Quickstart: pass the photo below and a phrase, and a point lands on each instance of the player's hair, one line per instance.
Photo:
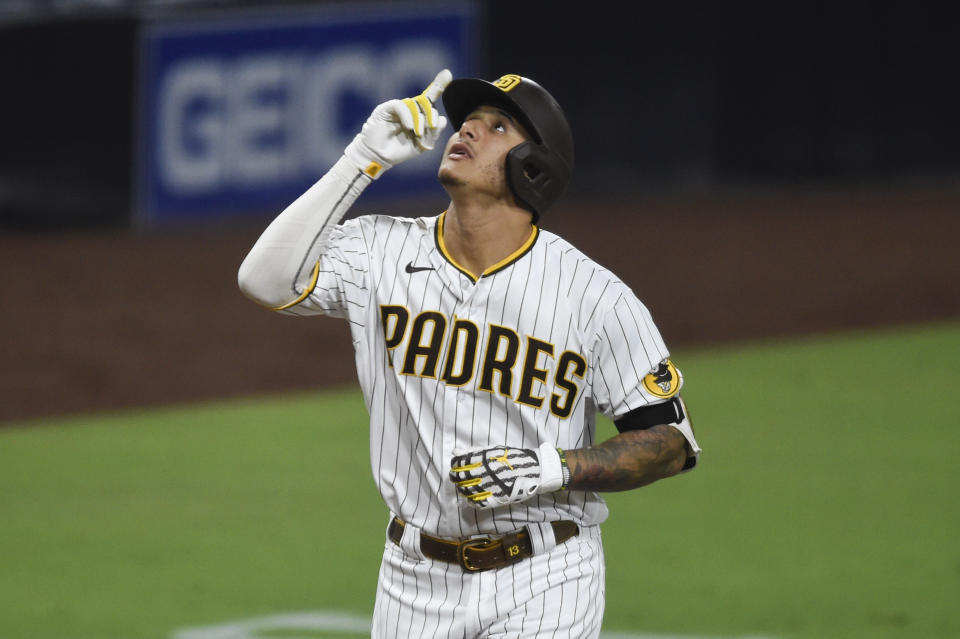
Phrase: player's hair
(538, 171)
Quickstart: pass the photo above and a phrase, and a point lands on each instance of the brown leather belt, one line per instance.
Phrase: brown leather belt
(475, 555)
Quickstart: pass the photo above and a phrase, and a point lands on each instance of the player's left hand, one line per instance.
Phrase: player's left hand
(501, 475)
(399, 130)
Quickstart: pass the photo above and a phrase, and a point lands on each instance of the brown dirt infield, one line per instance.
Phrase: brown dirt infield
(97, 321)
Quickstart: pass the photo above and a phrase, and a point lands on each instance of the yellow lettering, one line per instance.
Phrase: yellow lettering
(425, 336)
(502, 366)
(570, 365)
(429, 351)
(394, 320)
(462, 353)
(531, 372)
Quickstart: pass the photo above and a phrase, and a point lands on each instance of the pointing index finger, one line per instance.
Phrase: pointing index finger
(433, 91)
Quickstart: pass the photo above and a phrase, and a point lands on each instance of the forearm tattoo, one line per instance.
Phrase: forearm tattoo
(629, 460)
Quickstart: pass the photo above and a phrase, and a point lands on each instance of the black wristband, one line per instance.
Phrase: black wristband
(645, 417)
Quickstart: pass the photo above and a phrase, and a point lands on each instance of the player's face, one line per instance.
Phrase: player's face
(476, 154)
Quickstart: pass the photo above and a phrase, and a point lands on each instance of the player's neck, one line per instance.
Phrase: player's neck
(479, 237)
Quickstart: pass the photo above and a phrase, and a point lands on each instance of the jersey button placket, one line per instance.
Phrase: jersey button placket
(466, 312)
(454, 416)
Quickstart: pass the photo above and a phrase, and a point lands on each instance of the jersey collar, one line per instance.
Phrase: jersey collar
(499, 266)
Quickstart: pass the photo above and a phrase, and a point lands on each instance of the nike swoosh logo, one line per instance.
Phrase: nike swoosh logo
(416, 269)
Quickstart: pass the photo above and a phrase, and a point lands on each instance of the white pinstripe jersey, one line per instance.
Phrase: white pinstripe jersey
(526, 354)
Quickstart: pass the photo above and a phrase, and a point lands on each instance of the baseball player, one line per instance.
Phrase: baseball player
(485, 347)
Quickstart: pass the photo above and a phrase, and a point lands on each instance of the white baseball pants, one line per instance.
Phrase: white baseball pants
(557, 593)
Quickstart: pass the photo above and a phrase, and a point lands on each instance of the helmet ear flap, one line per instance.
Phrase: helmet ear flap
(536, 176)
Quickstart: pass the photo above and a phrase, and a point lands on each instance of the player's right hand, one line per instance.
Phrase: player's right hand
(399, 130)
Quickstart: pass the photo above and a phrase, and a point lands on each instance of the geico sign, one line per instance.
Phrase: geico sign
(269, 117)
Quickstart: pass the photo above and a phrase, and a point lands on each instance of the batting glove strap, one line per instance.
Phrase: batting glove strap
(399, 130)
(551, 469)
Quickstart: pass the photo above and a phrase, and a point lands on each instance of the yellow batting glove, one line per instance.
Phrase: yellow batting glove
(399, 130)
(499, 476)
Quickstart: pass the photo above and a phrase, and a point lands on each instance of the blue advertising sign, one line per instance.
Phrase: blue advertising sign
(240, 115)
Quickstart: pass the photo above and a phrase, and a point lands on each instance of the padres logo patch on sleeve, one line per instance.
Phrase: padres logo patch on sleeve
(663, 382)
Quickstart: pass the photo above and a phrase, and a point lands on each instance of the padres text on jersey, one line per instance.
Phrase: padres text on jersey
(525, 354)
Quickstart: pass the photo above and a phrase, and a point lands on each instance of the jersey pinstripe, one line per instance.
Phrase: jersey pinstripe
(525, 354)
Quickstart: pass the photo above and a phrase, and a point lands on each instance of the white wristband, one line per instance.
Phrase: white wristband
(362, 158)
(551, 470)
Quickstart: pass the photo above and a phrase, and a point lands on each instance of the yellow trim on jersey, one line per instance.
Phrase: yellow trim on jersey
(491, 269)
(306, 291)
(516, 254)
(445, 252)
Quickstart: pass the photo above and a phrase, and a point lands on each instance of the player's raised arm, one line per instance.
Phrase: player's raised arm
(281, 268)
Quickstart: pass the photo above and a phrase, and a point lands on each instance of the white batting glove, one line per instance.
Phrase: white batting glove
(497, 476)
(399, 130)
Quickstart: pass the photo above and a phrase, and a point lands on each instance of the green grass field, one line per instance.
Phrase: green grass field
(825, 506)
